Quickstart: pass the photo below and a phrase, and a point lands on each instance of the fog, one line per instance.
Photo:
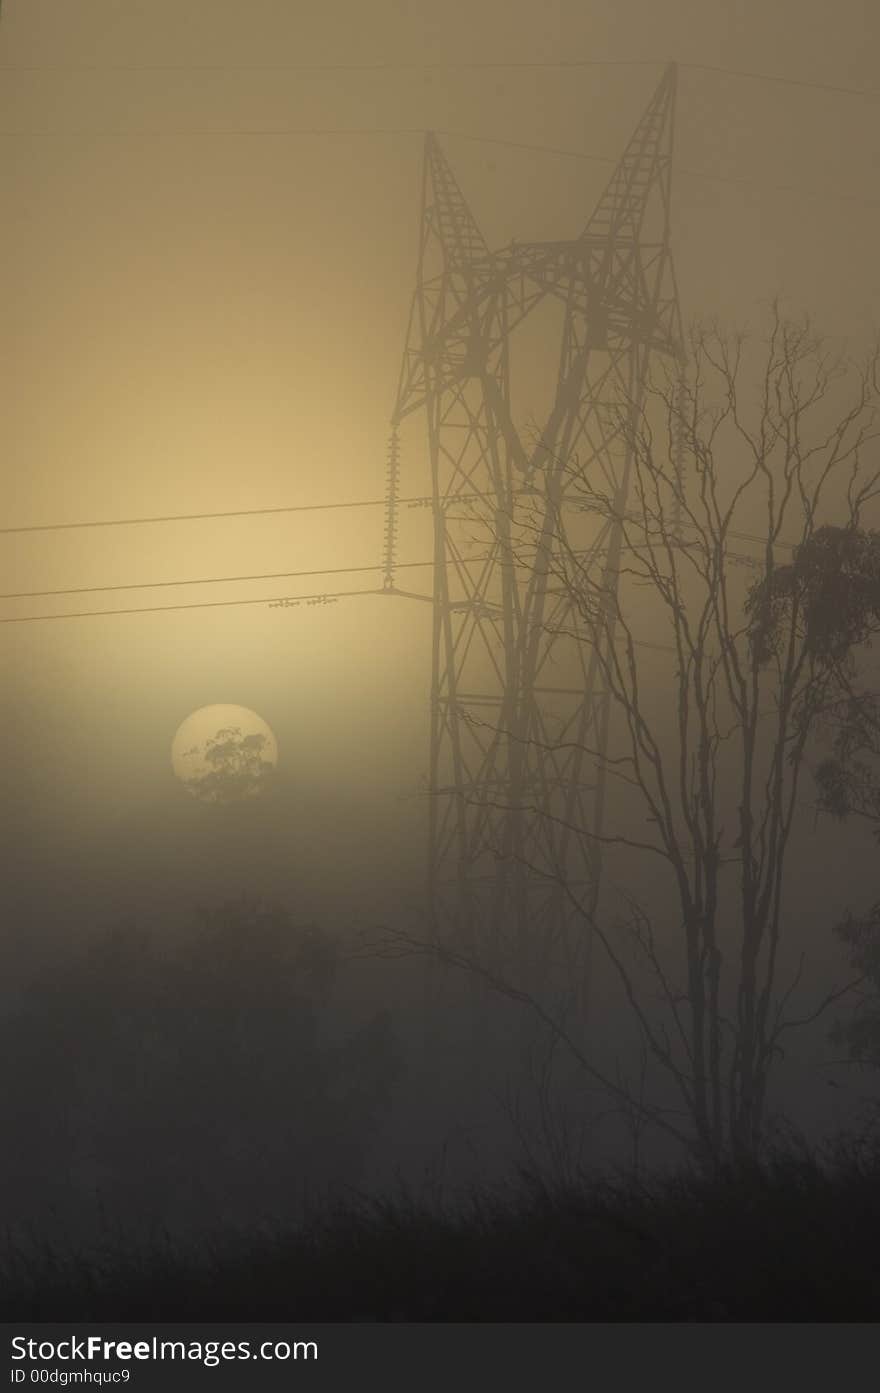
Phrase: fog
(207, 256)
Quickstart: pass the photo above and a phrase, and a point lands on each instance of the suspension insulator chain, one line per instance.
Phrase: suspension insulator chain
(392, 487)
(679, 445)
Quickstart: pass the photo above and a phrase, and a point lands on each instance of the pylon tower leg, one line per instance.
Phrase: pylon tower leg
(519, 711)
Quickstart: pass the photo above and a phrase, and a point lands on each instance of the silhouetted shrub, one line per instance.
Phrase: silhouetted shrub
(192, 1082)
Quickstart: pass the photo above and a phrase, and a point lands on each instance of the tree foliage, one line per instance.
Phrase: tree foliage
(829, 593)
(200, 1080)
(237, 767)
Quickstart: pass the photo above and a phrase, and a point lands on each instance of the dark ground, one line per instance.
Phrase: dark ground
(795, 1239)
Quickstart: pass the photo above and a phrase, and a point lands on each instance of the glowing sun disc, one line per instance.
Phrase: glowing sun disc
(224, 753)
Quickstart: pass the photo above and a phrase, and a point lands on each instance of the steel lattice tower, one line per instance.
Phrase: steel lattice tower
(516, 694)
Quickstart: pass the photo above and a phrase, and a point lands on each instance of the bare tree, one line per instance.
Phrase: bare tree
(756, 665)
(764, 442)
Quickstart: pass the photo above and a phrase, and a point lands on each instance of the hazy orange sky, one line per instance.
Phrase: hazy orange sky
(205, 311)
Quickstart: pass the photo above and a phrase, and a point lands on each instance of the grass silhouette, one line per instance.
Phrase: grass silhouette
(795, 1238)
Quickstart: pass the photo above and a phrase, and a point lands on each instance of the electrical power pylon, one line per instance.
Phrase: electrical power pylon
(517, 698)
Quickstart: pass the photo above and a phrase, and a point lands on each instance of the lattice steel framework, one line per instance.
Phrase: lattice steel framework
(516, 694)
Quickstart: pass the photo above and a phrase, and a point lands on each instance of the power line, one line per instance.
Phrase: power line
(319, 598)
(300, 131)
(207, 580)
(418, 500)
(197, 517)
(799, 189)
(228, 580)
(474, 65)
(872, 93)
(217, 131)
(273, 575)
(316, 599)
(678, 169)
(466, 65)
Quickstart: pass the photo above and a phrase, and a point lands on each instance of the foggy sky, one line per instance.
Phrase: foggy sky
(198, 317)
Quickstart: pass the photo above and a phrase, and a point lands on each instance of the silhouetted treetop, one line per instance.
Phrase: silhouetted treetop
(237, 767)
(829, 593)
